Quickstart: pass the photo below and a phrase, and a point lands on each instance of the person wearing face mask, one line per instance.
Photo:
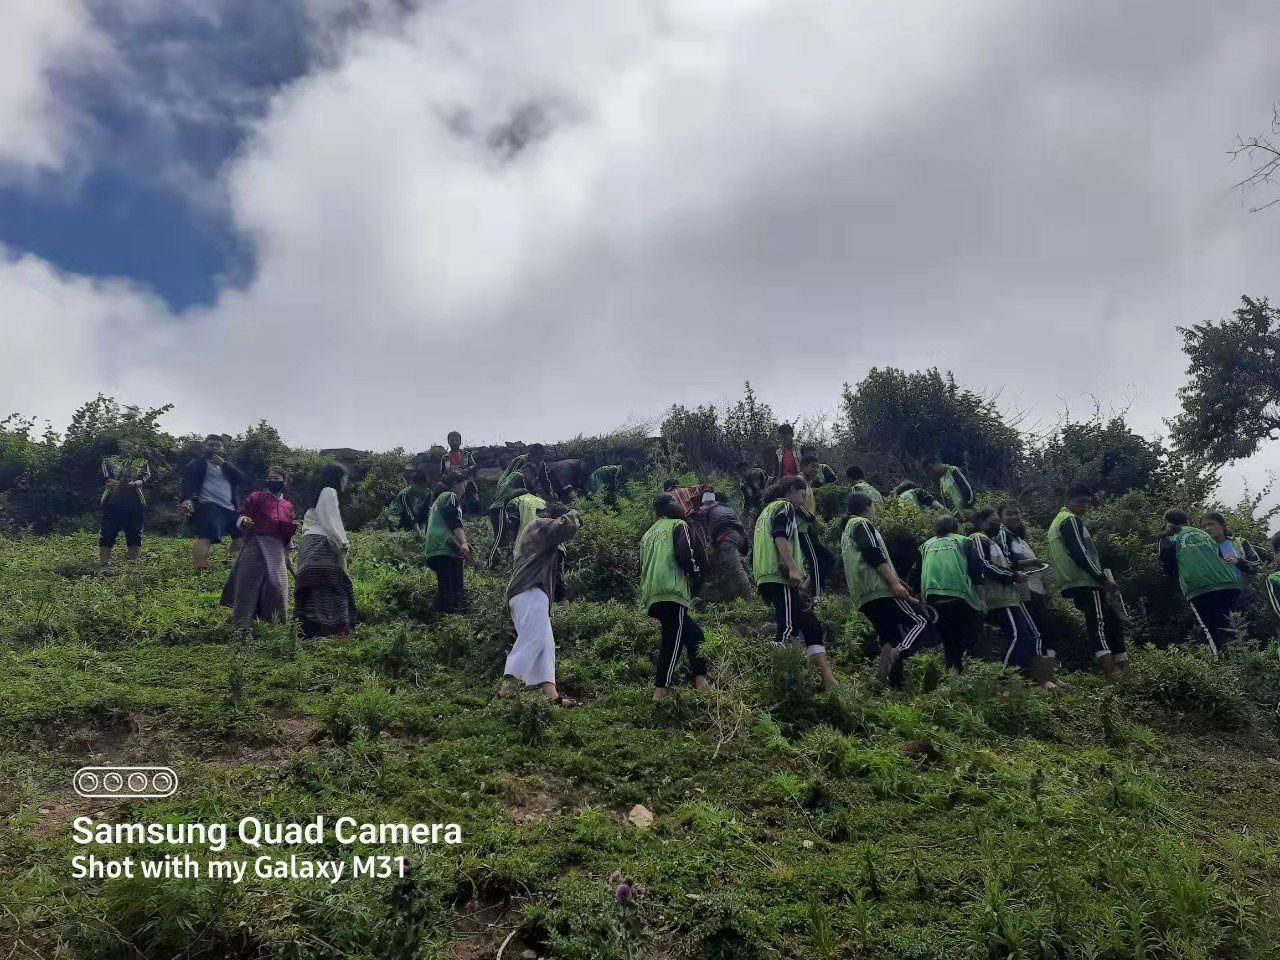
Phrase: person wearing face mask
(258, 585)
(210, 491)
(324, 600)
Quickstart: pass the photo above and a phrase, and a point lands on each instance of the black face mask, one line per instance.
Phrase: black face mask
(275, 486)
(210, 454)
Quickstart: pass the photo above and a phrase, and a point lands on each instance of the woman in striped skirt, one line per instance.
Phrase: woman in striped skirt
(325, 603)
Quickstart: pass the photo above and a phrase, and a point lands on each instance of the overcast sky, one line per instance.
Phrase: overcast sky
(370, 221)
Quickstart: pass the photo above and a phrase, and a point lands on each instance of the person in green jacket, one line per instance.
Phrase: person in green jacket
(527, 506)
(858, 481)
(512, 483)
(412, 505)
(951, 480)
(671, 573)
(1001, 593)
(901, 622)
(1237, 551)
(1210, 584)
(950, 574)
(777, 562)
(910, 494)
(445, 545)
(607, 481)
(1083, 581)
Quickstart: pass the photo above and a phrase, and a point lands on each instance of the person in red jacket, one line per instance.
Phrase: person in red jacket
(258, 586)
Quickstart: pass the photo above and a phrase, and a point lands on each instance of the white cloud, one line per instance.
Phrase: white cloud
(1033, 194)
(39, 37)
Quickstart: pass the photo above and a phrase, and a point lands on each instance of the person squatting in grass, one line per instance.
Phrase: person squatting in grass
(780, 578)
(954, 485)
(671, 572)
(537, 581)
(209, 495)
(258, 585)
(607, 481)
(445, 547)
(910, 494)
(1083, 581)
(1210, 584)
(122, 503)
(902, 624)
(1002, 599)
(950, 575)
(412, 505)
(858, 482)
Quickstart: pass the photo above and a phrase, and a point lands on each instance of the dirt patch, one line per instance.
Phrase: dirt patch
(538, 799)
(483, 924)
(291, 734)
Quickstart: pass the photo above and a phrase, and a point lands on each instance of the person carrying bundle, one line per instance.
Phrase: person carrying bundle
(728, 546)
(537, 581)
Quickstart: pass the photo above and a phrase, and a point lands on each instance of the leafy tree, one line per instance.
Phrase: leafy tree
(913, 416)
(1231, 404)
(1105, 454)
(750, 428)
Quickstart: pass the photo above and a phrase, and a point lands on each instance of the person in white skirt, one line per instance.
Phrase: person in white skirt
(536, 580)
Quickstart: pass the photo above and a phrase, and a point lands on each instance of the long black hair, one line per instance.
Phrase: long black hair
(332, 474)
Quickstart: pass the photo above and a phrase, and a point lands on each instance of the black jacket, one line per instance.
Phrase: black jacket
(193, 479)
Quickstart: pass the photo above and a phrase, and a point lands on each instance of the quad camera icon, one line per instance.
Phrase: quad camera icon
(125, 783)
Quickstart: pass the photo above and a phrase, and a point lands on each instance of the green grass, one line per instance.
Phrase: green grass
(962, 818)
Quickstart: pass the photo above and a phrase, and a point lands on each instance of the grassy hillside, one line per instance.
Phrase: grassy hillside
(966, 817)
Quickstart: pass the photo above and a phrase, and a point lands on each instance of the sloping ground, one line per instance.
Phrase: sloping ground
(965, 817)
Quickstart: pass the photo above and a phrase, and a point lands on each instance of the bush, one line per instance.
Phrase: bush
(1189, 682)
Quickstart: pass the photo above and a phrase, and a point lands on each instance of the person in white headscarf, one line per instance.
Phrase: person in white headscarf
(325, 602)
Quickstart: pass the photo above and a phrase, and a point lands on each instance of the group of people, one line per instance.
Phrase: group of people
(977, 568)
(262, 528)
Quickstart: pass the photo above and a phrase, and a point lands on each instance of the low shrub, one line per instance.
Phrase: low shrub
(1191, 683)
